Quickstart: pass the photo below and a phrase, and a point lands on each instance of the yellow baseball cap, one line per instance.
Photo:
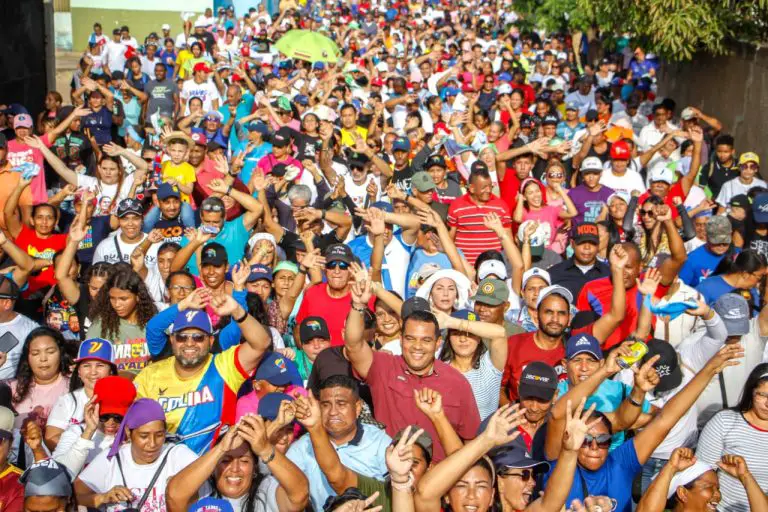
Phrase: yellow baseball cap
(749, 157)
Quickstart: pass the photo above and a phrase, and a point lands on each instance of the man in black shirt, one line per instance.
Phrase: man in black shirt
(583, 266)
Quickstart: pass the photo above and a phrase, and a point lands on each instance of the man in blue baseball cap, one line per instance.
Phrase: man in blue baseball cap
(403, 171)
(275, 374)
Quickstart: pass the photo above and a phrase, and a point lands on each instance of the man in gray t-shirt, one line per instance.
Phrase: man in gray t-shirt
(162, 93)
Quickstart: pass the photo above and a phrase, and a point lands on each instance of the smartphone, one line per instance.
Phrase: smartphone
(8, 342)
(210, 230)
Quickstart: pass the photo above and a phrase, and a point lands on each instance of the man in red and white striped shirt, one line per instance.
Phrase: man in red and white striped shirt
(466, 214)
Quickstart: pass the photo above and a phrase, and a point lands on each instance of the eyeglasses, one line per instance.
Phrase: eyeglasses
(750, 166)
(117, 418)
(343, 265)
(525, 475)
(761, 395)
(178, 287)
(646, 213)
(195, 338)
(212, 208)
(555, 175)
(603, 440)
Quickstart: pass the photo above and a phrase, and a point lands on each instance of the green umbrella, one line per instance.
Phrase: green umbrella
(309, 46)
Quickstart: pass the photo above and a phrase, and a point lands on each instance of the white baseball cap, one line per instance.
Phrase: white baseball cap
(504, 89)
(166, 26)
(492, 267)
(555, 289)
(591, 163)
(536, 272)
(661, 172)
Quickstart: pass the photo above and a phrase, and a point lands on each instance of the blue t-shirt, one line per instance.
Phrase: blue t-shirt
(244, 108)
(252, 160)
(713, 287)
(419, 258)
(396, 256)
(613, 479)
(608, 398)
(565, 132)
(233, 237)
(700, 264)
(100, 124)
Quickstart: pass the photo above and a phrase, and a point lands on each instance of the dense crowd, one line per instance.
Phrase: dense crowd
(462, 267)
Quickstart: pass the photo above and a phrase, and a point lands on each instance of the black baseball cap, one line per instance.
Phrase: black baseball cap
(281, 138)
(412, 305)
(129, 206)
(339, 252)
(549, 119)
(435, 161)
(586, 232)
(538, 380)
(313, 327)
(214, 254)
(667, 367)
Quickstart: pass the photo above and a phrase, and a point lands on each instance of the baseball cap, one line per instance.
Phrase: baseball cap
(586, 232)
(401, 144)
(166, 26)
(7, 418)
(277, 370)
(687, 114)
(118, 75)
(129, 206)
(591, 163)
(719, 230)
(424, 440)
(743, 159)
(517, 458)
(549, 119)
(572, 105)
(46, 478)
(734, 311)
(258, 126)
(667, 367)
(281, 138)
(339, 252)
(95, 349)
(465, 314)
(538, 380)
(192, 319)
(201, 66)
(301, 99)
(269, 405)
(620, 194)
(555, 289)
(412, 305)
(687, 476)
(583, 344)
(199, 138)
(214, 114)
(166, 190)
(536, 272)
(478, 166)
(620, 151)
(740, 200)
(492, 268)
(427, 269)
(492, 292)
(210, 504)
(422, 182)
(214, 254)
(377, 82)
(259, 272)
(22, 121)
(504, 89)
(661, 173)
(115, 394)
(435, 161)
(760, 208)
(313, 327)
(286, 265)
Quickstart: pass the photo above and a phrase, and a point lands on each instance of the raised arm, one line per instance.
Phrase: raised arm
(12, 222)
(68, 286)
(671, 266)
(257, 337)
(56, 164)
(359, 353)
(430, 402)
(23, 261)
(609, 322)
(736, 466)
(253, 207)
(655, 497)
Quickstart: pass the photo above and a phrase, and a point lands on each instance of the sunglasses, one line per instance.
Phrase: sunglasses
(212, 208)
(343, 265)
(178, 287)
(117, 418)
(196, 337)
(646, 213)
(749, 166)
(603, 440)
(525, 475)
(556, 175)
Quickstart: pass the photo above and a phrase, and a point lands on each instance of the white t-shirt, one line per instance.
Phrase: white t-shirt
(20, 327)
(358, 193)
(630, 181)
(103, 474)
(105, 194)
(266, 497)
(114, 54)
(735, 187)
(107, 250)
(68, 410)
(206, 91)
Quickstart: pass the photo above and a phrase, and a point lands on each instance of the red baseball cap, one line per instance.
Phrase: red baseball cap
(620, 151)
(115, 395)
(201, 66)
(377, 82)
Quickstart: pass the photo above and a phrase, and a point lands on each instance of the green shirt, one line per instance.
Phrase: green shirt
(369, 486)
(130, 351)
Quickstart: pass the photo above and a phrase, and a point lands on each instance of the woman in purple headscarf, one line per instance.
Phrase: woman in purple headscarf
(135, 471)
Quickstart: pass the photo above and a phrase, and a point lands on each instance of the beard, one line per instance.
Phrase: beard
(553, 330)
(191, 362)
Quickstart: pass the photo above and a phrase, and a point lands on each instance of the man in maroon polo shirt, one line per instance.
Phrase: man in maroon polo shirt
(394, 380)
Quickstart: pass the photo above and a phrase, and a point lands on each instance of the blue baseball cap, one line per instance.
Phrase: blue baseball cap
(572, 105)
(517, 458)
(301, 99)
(211, 505)
(583, 344)
(465, 314)
(166, 190)
(383, 206)
(192, 319)
(319, 65)
(505, 77)
(401, 144)
(450, 91)
(269, 405)
(760, 208)
(278, 370)
(97, 349)
(259, 272)
(258, 126)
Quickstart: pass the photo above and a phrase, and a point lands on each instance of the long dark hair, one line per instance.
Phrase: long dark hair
(249, 505)
(756, 377)
(24, 378)
(447, 353)
(748, 261)
(101, 308)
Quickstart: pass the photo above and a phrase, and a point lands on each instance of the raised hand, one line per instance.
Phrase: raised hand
(113, 149)
(663, 213)
(258, 180)
(218, 186)
(376, 226)
(240, 274)
(156, 236)
(493, 222)
(530, 229)
(312, 259)
(399, 457)
(34, 141)
(428, 401)
(77, 232)
(231, 439)
(650, 282)
(224, 305)
(372, 189)
(504, 421)
(308, 411)
(734, 465)
(646, 377)
(361, 505)
(198, 298)
(394, 192)
(253, 431)
(681, 459)
(33, 435)
(727, 356)
(361, 291)
(618, 257)
(576, 426)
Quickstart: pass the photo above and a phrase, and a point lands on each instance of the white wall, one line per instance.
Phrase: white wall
(144, 5)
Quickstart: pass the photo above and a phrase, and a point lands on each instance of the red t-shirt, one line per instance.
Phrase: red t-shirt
(11, 491)
(675, 190)
(44, 248)
(472, 237)
(392, 388)
(523, 351)
(317, 302)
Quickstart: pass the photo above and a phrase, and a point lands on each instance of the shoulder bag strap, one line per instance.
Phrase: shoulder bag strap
(154, 479)
(117, 247)
(120, 467)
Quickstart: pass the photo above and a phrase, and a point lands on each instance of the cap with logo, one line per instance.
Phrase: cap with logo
(401, 144)
(22, 121)
(281, 138)
(555, 289)
(435, 161)
(464, 314)
(719, 230)
(739, 200)
(760, 208)
(199, 138)
(734, 311)
(517, 458)
(538, 380)
(743, 159)
(313, 327)
(549, 119)
(339, 252)
(192, 319)
(214, 254)
(259, 272)
(258, 126)
(583, 344)
(492, 268)
(277, 370)
(96, 349)
(667, 367)
(269, 405)
(422, 182)
(427, 269)
(492, 292)
(210, 504)
(687, 114)
(620, 151)
(661, 172)
(536, 272)
(115, 394)
(129, 206)
(46, 478)
(591, 164)
(166, 190)
(572, 105)
(586, 232)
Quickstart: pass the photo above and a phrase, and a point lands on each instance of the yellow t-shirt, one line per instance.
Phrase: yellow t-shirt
(346, 135)
(181, 59)
(183, 173)
(195, 407)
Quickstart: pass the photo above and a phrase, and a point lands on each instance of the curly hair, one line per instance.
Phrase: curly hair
(101, 307)
(25, 380)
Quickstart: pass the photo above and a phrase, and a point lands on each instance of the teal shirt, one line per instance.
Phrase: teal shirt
(233, 237)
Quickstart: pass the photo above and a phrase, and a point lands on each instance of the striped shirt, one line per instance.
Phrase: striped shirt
(485, 382)
(472, 237)
(729, 433)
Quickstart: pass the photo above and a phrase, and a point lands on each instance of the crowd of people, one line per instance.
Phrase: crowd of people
(460, 268)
